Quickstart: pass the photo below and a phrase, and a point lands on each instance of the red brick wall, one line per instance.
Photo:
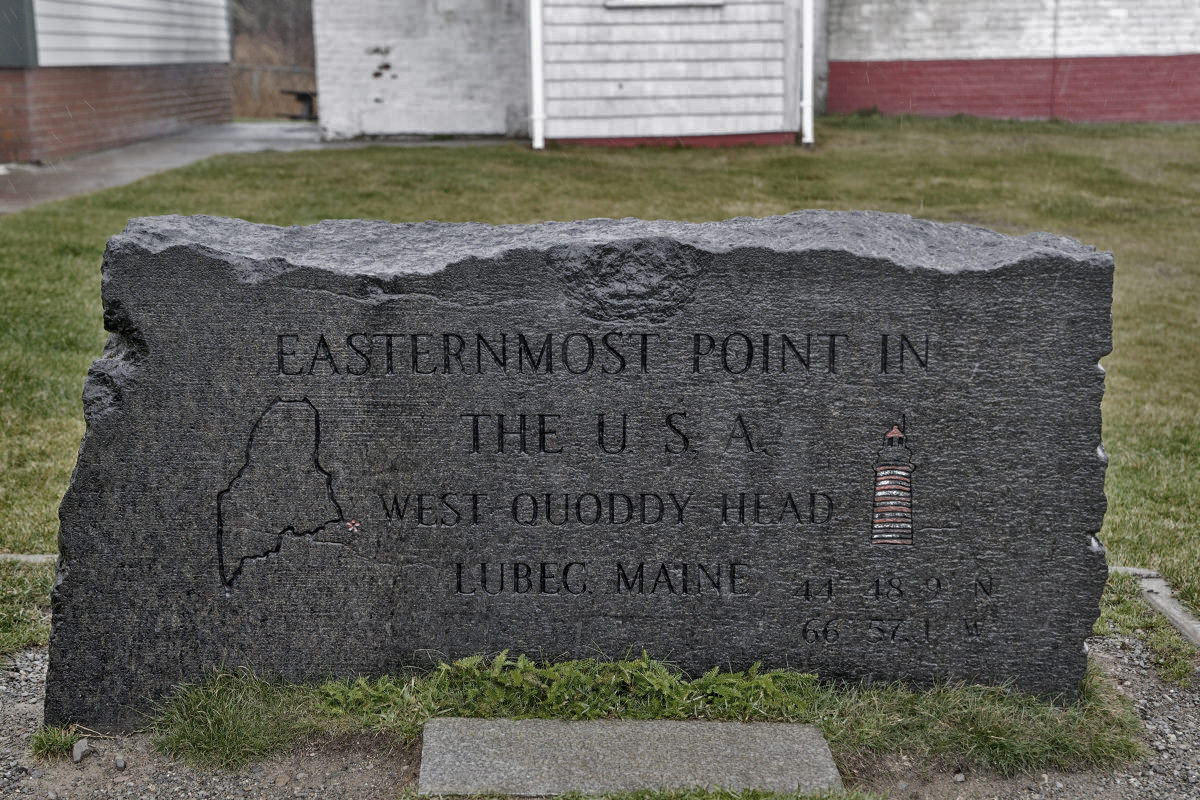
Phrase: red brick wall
(48, 113)
(1111, 89)
(14, 121)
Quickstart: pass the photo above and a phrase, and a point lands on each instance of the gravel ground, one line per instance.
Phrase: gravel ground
(365, 767)
(354, 768)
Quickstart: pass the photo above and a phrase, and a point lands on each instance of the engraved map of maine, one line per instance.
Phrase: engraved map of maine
(280, 491)
(358, 446)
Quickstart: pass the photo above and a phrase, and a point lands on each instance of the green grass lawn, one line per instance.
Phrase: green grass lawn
(1131, 189)
(24, 606)
(234, 719)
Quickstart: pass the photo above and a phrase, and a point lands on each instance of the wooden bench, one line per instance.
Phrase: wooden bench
(307, 103)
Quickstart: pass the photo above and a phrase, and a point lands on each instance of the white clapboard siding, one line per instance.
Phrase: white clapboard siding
(597, 108)
(74, 33)
(170, 6)
(126, 11)
(712, 71)
(664, 51)
(139, 32)
(67, 24)
(659, 34)
(700, 125)
(666, 71)
(579, 90)
(597, 14)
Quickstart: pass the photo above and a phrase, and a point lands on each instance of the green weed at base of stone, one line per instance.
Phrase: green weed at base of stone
(50, 742)
(1124, 611)
(233, 719)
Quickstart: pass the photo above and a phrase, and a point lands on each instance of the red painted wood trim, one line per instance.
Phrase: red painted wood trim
(1109, 89)
(716, 140)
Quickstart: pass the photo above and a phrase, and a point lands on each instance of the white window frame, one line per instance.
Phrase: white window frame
(662, 3)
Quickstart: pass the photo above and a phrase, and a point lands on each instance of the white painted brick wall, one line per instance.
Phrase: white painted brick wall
(894, 30)
(1128, 27)
(445, 66)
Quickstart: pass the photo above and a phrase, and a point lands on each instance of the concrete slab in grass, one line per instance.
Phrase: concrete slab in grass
(1157, 592)
(538, 757)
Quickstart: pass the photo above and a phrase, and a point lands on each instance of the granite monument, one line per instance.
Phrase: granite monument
(858, 444)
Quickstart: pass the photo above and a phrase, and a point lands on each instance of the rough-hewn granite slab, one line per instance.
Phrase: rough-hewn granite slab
(859, 444)
(543, 757)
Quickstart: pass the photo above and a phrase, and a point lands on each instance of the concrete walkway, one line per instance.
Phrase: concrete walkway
(26, 185)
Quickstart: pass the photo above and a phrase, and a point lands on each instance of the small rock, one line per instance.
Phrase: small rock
(37, 773)
(959, 777)
(80, 750)
(256, 769)
(281, 779)
(119, 762)
(301, 776)
(51, 795)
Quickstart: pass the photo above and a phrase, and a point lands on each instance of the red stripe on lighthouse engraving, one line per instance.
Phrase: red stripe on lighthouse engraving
(891, 518)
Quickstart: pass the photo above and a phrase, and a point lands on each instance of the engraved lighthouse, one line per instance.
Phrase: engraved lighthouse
(891, 520)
